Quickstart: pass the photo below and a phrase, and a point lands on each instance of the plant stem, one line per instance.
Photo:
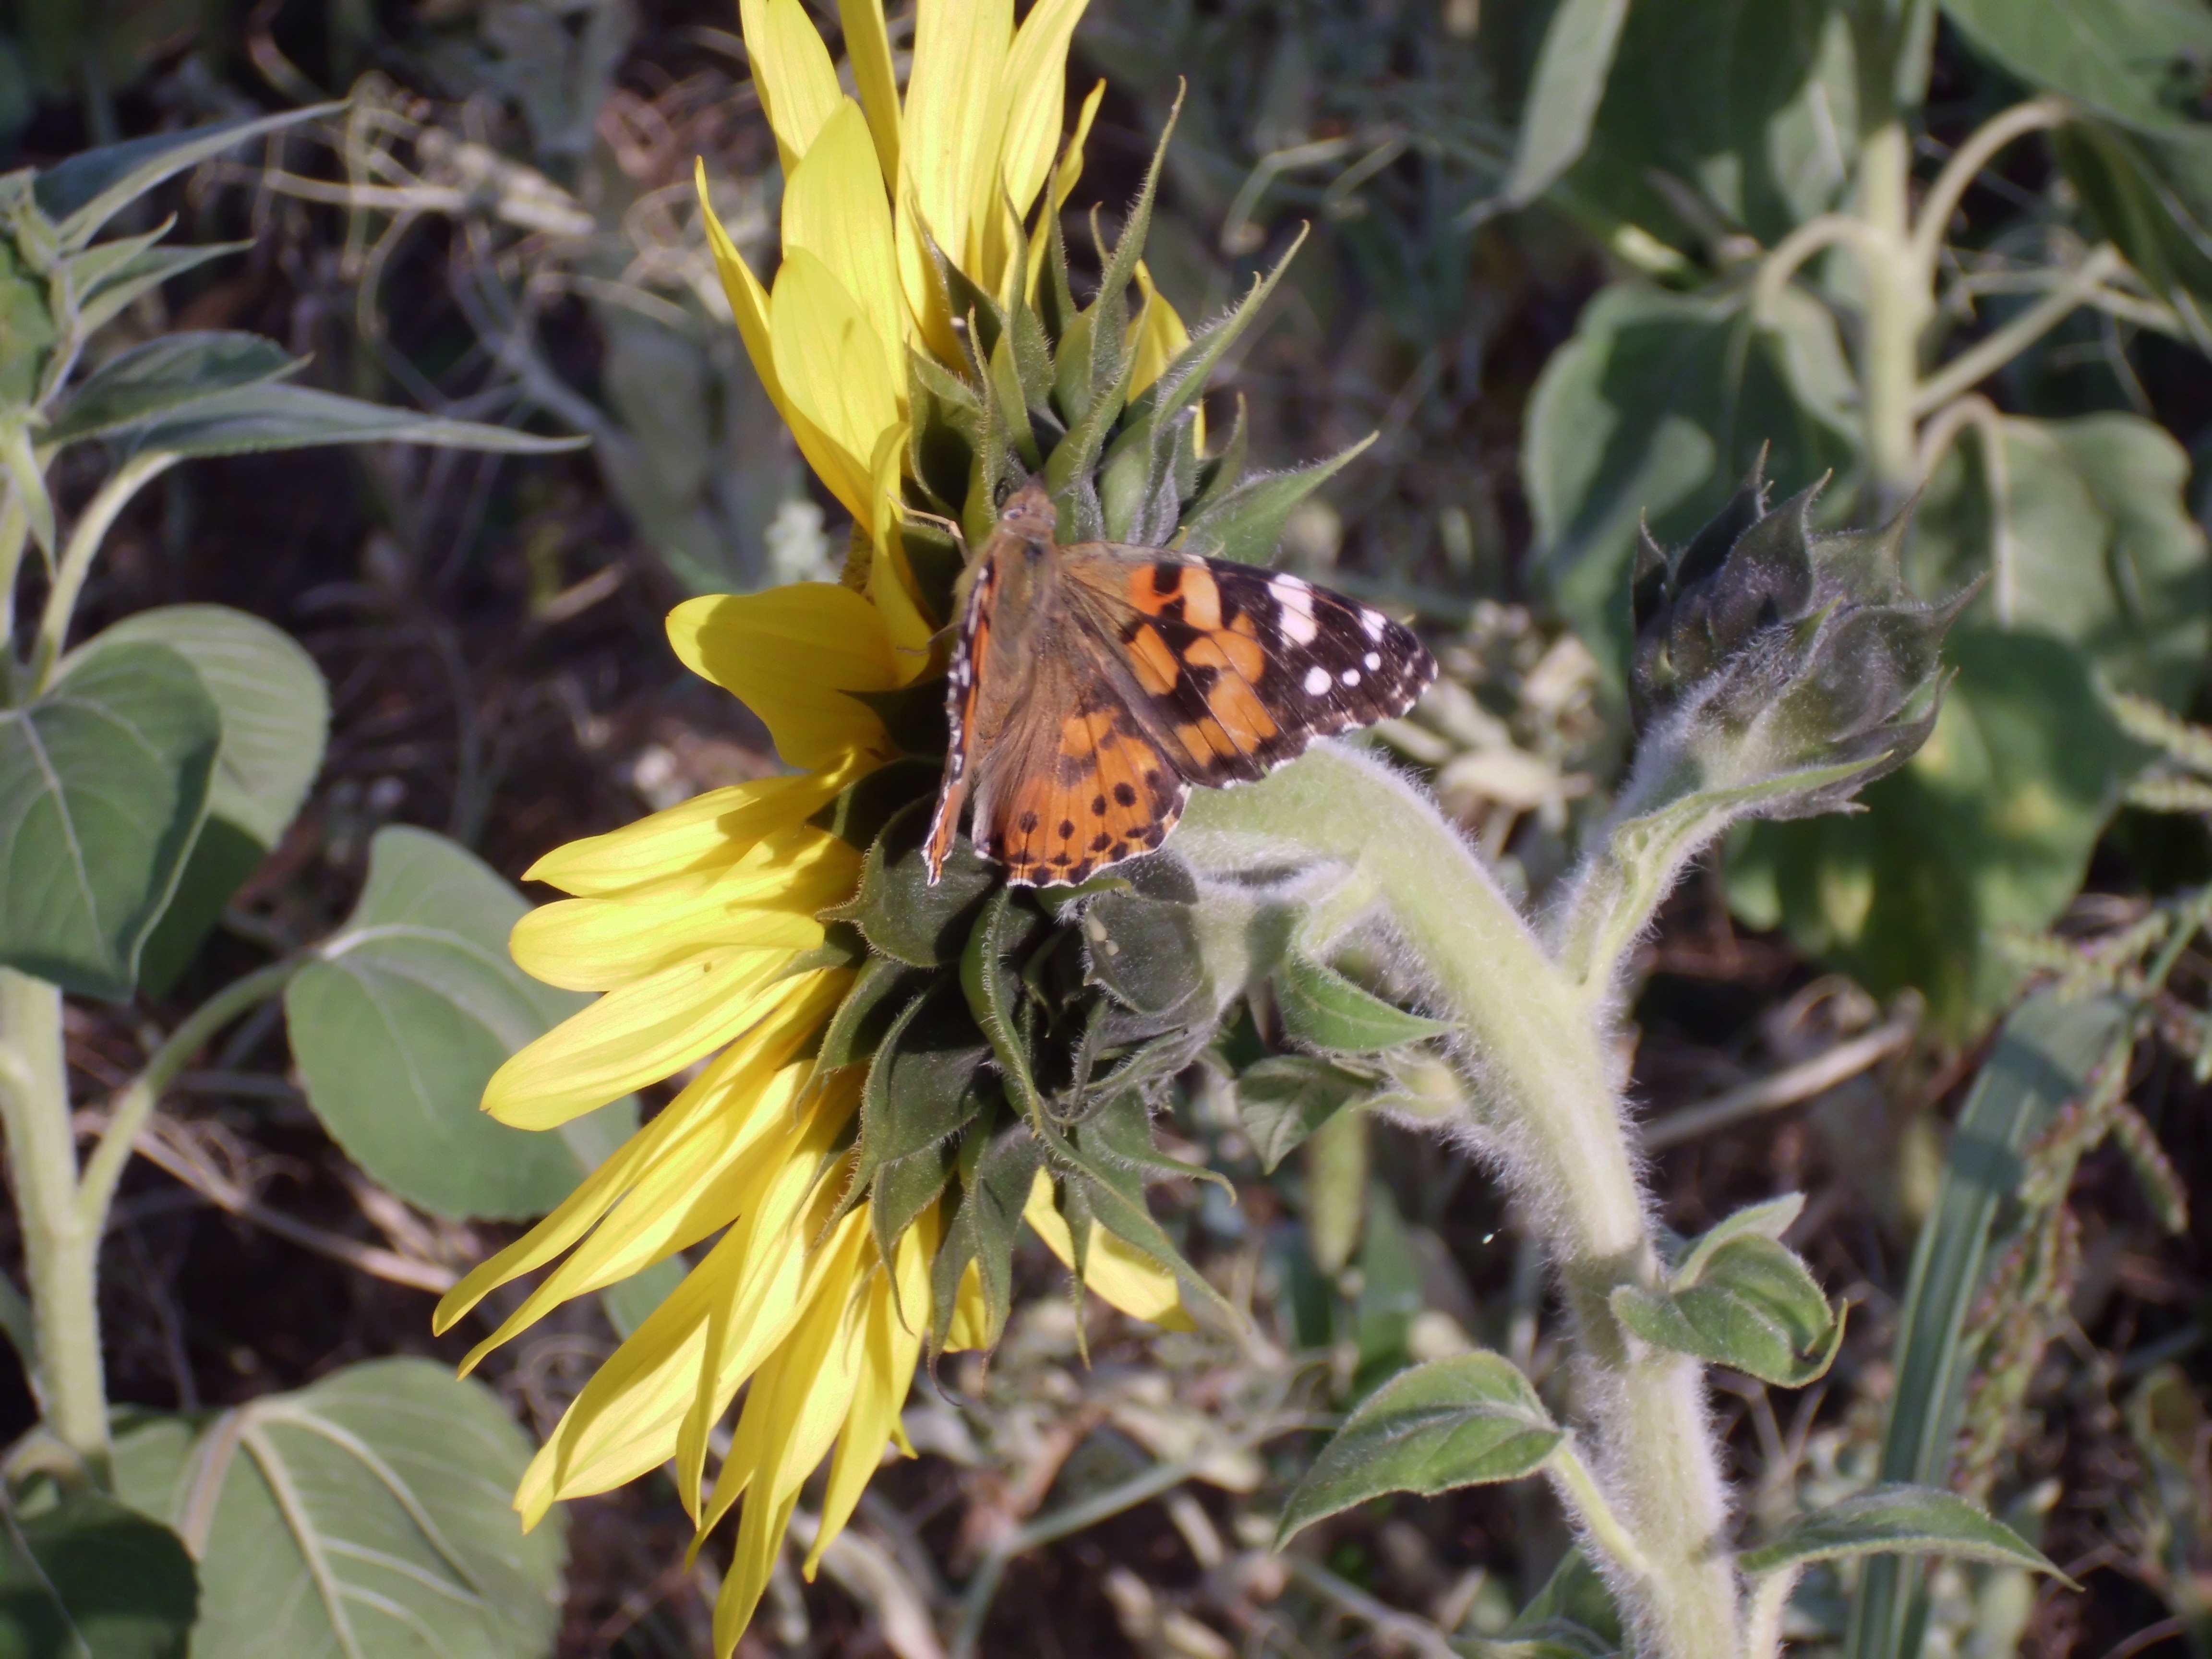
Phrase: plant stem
(76, 564)
(61, 1252)
(1549, 1110)
(1897, 309)
(135, 1102)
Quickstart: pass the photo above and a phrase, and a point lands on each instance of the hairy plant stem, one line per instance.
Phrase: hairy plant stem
(1549, 1112)
(61, 1245)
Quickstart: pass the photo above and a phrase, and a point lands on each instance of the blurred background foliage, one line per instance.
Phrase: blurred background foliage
(1542, 274)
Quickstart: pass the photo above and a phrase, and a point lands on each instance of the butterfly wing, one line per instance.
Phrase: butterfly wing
(1233, 669)
(1074, 783)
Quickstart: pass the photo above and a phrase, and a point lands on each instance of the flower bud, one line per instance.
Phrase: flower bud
(1765, 648)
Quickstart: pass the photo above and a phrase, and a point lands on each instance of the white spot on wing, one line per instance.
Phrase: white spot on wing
(1296, 599)
(1373, 623)
(1374, 660)
(1350, 677)
(1316, 681)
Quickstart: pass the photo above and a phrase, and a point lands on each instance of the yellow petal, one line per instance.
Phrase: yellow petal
(797, 84)
(1037, 72)
(722, 1091)
(1120, 1273)
(868, 49)
(898, 1310)
(1157, 335)
(703, 836)
(770, 898)
(971, 1312)
(756, 1282)
(786, 654)
(956, 112)
(640, 1035)
(834, 208)
(749, 305)
(891, 587)
(837, 371)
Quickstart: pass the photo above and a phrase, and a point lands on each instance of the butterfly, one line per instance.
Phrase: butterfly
(1093, 684)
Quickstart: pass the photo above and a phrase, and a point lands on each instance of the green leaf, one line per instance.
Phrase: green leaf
(89, 1578)
(1574, 1603)
(2137, 61)
(987, 980)
(1114, 1193)
(368, 1515)
(116, 292)
(403, 1016)
(1321, 1007)
(1752, 1304)
(1285, 1097)
(1988, 829)
(1898, 1520)
(2103, 550)
(1722, 115)
(164, 375)
(996, 1178)
(274, 711)
(249, 420)
(1144, 952)
(1769, 1220)
(897, 909)
(1656, 407)
(1245, 522)
(91, 187)
(927, 1085)
(882, 992)
(1571, 67)
(103, 783)
(2043, 1058)
(1469, 1420)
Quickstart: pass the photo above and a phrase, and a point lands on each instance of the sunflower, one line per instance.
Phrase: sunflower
(701, 927)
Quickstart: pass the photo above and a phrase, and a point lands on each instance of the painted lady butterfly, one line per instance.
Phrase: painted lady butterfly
(1093, 684)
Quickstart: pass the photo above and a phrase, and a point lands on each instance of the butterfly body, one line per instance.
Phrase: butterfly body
(1093, 684)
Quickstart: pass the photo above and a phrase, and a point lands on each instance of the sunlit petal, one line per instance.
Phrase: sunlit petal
(797, 82)
(1121, 1273)
(787, 654)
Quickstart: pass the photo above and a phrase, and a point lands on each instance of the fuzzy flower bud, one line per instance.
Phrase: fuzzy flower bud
(1765, 649)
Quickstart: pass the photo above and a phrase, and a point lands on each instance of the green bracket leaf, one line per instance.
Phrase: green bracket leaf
(1470, 1420)
(897, 909)
(1898, 1520)
(103, 784)
(1322, 1007)
(91, 187)
(1285, 1097)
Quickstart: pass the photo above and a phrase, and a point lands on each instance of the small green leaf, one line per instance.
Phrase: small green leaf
(881, 993)
(1574, 1603)
(1769, 1220)
(251, 419)
(166, 375)
(353, 1516)
(401, 1018)
(90, 1579)
(104, 781)
(927, 1083)
(1322, 1007)
(991, 987)
(91, 187)
(1754, 1306)
(1115, 1195)
(1467, 1421)
(1285, 1097)
(901, 914)
(119, 288)
(1898, 1520)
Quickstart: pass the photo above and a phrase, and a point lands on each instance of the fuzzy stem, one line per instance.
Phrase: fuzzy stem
(61, 1250)
(1549, 1111)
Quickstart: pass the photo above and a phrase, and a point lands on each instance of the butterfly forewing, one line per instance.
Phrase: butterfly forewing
(1093, 684)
